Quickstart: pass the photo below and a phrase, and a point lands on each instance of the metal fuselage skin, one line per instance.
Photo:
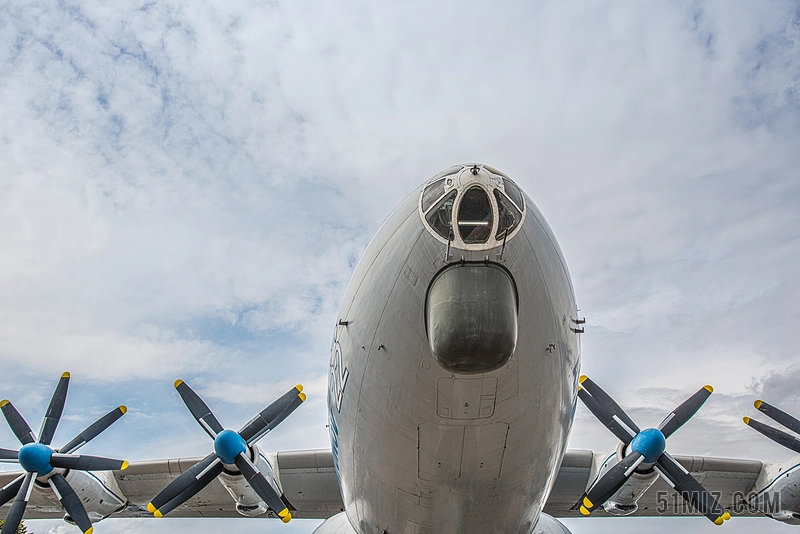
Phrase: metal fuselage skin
(420, 449)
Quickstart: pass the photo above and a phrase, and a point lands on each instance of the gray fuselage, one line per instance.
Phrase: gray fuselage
(430, 443)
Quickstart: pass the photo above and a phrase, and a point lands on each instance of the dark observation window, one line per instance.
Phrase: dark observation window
(507, 213)
(431, 194)
(475, 216)
(514, 193)
(440, 218)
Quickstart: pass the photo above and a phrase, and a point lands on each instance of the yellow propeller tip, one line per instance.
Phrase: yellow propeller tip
(299, 388)
(746, 420)
(158, 513)
(587, 503)
(580, 388)
(91, 529)
(123, 409)
(4, 402)
(719, 520)
(178, 382)
(66, 375)
(583, 378)
(125, 465)
(726, 516)
(286, 518)
(302, 397)
(151, 508)
(708, 388)
(758, 404)
(584, 511)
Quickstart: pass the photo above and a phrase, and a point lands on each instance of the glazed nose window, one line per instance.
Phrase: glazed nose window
(439, 217)
(508, 216)
(475, 216)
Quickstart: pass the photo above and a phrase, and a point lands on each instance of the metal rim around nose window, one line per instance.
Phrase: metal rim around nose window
(472, 207)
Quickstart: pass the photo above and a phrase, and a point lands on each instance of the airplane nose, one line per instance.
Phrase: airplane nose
(471, 313)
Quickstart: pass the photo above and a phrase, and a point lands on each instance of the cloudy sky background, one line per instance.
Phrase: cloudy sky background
(185, 188)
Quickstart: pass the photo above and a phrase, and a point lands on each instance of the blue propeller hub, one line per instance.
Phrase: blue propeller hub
(35, 458)
(228, 445)
(650, 443)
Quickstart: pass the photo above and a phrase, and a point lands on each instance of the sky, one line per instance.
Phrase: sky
(186, 187)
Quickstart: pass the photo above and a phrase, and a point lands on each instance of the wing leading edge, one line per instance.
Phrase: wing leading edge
(311, 489)
(308, 479)
(730, 480)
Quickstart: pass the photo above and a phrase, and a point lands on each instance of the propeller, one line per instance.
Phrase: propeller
(39, 460)
(646, 448)
(778, 436)
(230, 449)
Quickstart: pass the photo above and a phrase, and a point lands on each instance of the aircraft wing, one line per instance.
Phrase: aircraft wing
(310, 486)
(308, 480)
(728, 479)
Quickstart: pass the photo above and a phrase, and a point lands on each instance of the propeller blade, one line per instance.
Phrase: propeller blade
(778, 415)
(678, 417)
(610, 482)
(71, 502)
(10, 490)
(615, 425)
(199, 409)
(14, 516)
(272, 415)
(690, 489)
(185, 486)
(54, 411)
(778, 436)
(8, 455)
(197, 484)
(87, 463)
(17, 423)
(261, 486)
(608, 404)
(93, 430)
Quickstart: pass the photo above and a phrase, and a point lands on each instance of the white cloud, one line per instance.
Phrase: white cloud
(186, 186)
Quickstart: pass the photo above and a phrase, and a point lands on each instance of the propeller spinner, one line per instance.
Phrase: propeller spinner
(230, 448)
(41, 461)
(646, 448)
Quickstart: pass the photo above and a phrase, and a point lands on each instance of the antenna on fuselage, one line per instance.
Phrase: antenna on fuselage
(503, 250)
(450, 237)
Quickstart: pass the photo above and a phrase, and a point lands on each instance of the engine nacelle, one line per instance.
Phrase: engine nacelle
(624, 501)
(779, 497)
(248, 503)
(338, 524)
(549, 525)
(98, 491)
(790, 518)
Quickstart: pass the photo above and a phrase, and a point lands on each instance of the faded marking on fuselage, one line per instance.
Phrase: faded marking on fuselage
(410, 275)
(339, 376)
(337, 383)
(333, 431)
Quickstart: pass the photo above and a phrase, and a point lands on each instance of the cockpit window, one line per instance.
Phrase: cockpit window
(508, 215)
(432, 193)
(440, 217)
(475, 216)
(513, 193)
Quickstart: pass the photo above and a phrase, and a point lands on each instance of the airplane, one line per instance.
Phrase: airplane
(453, 383)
